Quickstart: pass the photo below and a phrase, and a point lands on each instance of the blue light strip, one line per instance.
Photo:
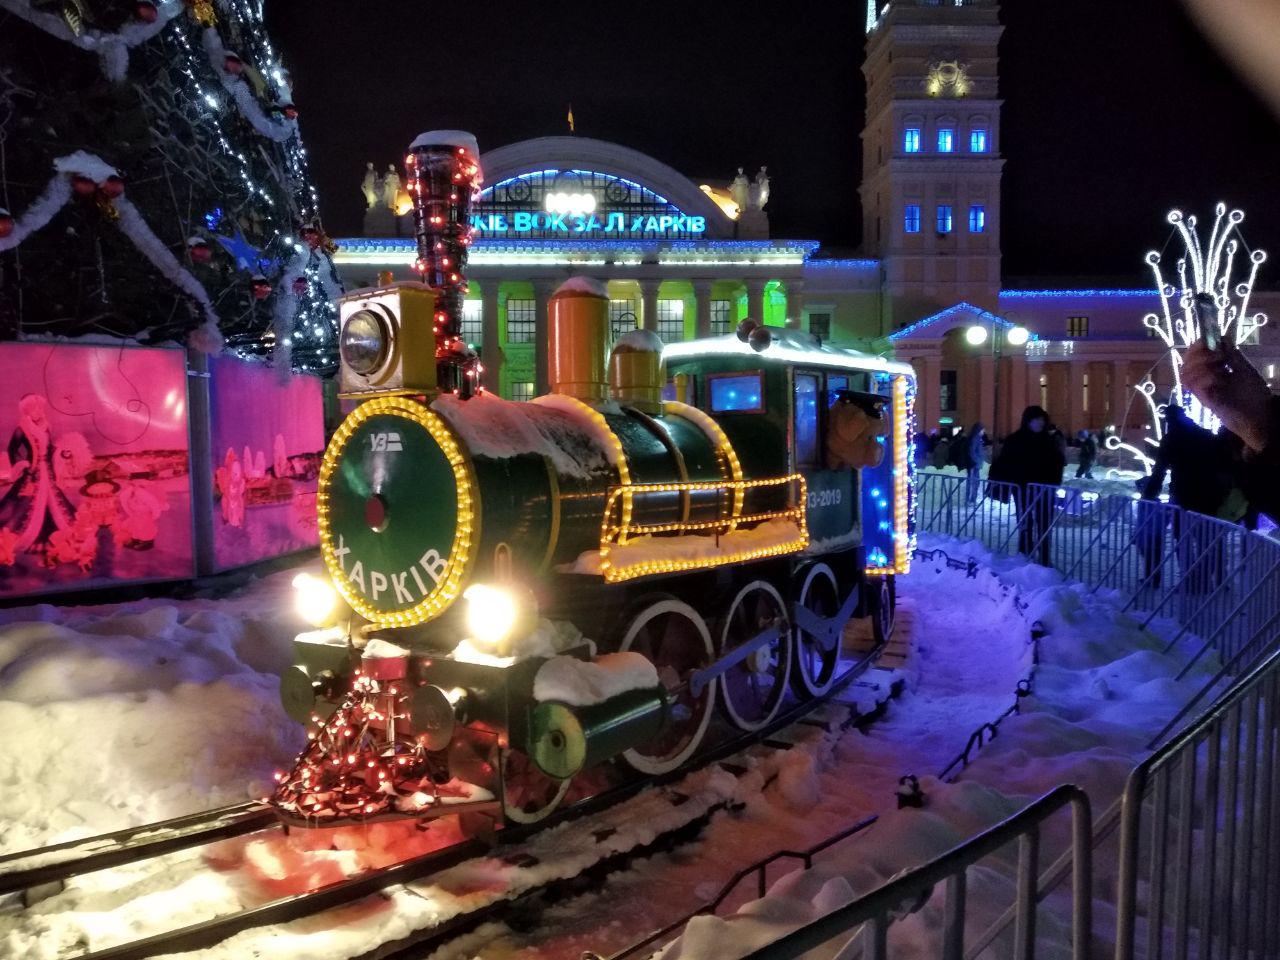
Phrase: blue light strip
(487, 192)
(408, 244)
(978, 314)
(842, 265)
(1068, 294)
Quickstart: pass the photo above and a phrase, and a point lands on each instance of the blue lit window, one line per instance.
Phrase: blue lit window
(911, 140)
(946, 139)
(977, 219)
(944, 218)
(806, 393)
(911, 218)
(834, 385)
(978, 140)
(736, 393)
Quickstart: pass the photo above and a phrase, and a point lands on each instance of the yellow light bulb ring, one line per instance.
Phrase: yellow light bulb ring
(460, 552)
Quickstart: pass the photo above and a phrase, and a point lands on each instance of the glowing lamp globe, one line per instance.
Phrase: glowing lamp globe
(976, 336)
(315, 598)
(1017, 336)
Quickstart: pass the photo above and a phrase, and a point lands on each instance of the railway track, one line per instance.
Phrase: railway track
(55, 864)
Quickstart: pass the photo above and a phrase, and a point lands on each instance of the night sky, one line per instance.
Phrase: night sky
(1114, 111)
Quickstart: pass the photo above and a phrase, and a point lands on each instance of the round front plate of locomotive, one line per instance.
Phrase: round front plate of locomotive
(396, 511)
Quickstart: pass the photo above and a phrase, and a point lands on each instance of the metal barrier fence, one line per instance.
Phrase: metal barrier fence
(1200, 834)
(874, 913)
(1216, 580)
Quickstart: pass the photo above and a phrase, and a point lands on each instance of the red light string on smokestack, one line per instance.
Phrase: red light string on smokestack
(443, 179)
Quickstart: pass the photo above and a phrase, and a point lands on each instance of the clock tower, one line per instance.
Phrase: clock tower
(931, 163)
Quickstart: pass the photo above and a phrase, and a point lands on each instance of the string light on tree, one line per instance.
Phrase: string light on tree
(1224, 268)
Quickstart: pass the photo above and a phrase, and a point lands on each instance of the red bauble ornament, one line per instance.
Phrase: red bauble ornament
(289, 110)
(233, 64)
(760, 338)
(7, 223)
(299, 286)
(261, 287)
(146, 11)
(112, 187)
(83, 186)
(199, 251)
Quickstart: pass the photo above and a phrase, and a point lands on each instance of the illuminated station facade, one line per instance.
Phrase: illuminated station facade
(688, 258)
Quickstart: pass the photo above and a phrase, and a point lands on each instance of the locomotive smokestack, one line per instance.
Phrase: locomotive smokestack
(443, 169)
(579, 339)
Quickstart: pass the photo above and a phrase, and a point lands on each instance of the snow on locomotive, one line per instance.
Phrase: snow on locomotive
(528, 597)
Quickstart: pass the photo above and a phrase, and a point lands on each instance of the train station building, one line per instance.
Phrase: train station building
(687, 257)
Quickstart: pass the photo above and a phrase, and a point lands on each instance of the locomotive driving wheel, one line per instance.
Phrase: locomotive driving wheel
(528, 794)
(884, 603)
(815, 667)
(675, 639)
(754, 687)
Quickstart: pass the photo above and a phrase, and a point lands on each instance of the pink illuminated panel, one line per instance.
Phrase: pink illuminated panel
(93, 466)
(267, 438)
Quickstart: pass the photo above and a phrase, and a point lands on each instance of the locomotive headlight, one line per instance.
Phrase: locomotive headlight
(315, 598)
(496, 614)
(366, 341)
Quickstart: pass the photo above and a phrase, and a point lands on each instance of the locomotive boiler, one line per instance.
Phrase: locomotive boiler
(525, 600)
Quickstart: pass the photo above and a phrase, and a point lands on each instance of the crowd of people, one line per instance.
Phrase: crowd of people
(1230, 475)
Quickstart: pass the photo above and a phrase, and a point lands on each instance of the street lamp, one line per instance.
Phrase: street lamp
(1014, 336)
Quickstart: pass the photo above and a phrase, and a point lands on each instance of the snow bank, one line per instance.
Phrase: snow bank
(497, 428)
(581, 683)
(639, 341)
(587, 285)
(447, 138)
(650, 549)
(548, 638)
(1101, 690)
(130, 713)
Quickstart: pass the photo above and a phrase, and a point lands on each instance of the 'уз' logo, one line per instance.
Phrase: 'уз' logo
(385, 442)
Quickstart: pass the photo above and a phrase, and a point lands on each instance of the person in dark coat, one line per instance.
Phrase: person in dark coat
(1031, 455)
(1088, 455)
(1200, 467)
(977, 459)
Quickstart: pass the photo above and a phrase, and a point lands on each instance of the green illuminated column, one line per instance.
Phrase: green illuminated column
(702, 308)
(795, 304)
(542, 290)
(490, 340)
(649, 304)
(755, 299)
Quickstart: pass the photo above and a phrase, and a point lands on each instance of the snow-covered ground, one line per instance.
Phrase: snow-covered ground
(129, 713)
(157, 708)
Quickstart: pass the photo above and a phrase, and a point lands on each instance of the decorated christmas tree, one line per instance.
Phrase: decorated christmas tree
(153, 183)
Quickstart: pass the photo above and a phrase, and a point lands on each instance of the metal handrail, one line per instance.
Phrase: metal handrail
(1180, 752)
(874, 911)
(759, 869)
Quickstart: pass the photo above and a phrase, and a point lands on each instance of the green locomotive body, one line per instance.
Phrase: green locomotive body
(531, 590)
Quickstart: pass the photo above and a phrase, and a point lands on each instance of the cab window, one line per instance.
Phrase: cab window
(807, 386)
(835, 383)
(736, 393)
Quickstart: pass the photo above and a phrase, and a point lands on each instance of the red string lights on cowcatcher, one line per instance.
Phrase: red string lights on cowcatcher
(443, 177)
(364, 761)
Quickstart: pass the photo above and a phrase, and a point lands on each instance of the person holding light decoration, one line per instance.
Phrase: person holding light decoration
(1226, 382)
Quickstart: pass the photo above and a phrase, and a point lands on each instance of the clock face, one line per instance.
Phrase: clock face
(947, 78)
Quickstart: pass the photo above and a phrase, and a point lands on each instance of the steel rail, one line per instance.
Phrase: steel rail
(209, 932)
(134, 844)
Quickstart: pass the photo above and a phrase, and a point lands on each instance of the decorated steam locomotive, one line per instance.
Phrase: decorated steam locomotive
(529, 599)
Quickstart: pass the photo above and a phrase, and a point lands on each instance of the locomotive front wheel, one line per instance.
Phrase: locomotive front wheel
(754, 687)
(883, 597)
(816, 668)
(675, 639)
(528, 794)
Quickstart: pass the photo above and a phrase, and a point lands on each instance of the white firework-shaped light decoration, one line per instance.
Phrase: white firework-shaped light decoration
(1226, 270)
